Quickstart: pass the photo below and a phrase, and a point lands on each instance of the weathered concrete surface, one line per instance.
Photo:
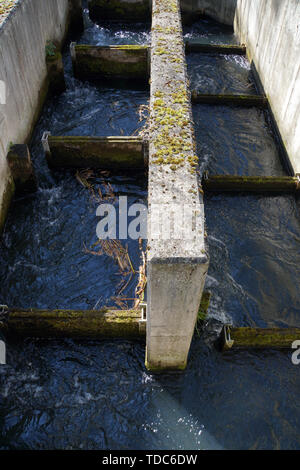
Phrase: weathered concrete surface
(108, 153)
(125, 62)
(220, 10)
(271, 33)
(118, 10)
(177, 259)
(23, 69)
(21, 168)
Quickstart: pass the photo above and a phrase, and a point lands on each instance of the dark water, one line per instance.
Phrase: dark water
(221, 73)
(254, 271)
(236, 141)
(208, 31)
(97, 395)
(68, 395)
(114, 33)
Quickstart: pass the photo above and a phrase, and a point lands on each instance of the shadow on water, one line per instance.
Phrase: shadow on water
(70, 395)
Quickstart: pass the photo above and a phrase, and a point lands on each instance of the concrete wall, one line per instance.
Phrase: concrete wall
(23, 70)
(177, 259)
(271, 31)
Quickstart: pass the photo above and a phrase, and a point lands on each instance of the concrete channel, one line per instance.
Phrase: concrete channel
(177, 252)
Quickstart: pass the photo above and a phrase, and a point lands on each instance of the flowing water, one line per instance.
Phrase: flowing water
(65, 394)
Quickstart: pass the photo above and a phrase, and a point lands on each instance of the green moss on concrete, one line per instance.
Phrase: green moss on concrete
(204, 305)
(159, 369)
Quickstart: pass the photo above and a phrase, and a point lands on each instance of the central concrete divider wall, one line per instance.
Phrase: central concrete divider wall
(23, 71)
(177, 259)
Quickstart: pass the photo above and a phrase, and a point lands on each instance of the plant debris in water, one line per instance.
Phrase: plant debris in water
(88, 178)
(120, 254)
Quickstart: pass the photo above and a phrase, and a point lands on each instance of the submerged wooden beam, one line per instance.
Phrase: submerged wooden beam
(258, 338)
(191, 47)
(90, 324)
(124, 62)
(232, 100)
(257, 184)
(108, 153)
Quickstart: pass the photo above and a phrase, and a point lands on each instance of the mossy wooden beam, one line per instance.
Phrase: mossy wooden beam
(191, 47)
(55, 69)
(89, 324)
(231, 100)
(108, 153)
(20, 164)
(257, 184)
(257, 338)
(120, 10)
(86, 324)
(8, 194)
(125, 62)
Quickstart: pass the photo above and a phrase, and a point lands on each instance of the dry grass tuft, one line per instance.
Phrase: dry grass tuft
(5, 7)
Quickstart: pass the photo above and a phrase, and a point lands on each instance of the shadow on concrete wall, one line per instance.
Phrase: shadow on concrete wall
(222, 11)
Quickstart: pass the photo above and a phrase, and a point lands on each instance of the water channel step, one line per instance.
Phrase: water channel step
(257, 184)
(108, 153)
(259, 101)
(89, 324)
(121, 62)
(191, 47)
(258, 338)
